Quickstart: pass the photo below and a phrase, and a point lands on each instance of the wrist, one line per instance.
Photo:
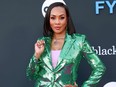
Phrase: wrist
(36, 55)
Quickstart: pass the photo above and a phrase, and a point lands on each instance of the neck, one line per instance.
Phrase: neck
(57, 36)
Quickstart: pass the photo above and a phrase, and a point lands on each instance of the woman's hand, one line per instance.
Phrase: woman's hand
(39, 48)
(69, 85)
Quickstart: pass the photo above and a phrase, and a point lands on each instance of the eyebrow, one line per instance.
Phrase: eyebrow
(58, 15)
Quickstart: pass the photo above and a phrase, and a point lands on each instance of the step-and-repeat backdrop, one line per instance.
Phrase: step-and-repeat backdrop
(21, 23)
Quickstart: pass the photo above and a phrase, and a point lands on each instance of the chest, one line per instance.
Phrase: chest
(57, 44)
(68, 51)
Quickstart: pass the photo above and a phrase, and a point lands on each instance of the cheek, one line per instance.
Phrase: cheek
(64, 23)
(51, 23)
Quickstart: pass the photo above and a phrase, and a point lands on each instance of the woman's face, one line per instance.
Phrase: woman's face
(58, 20)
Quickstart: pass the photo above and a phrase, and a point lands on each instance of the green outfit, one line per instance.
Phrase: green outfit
(74, 49)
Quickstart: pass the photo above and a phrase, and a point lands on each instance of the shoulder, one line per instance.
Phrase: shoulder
(43, 38)
(80, 39)
(40, 38)
(78, 36)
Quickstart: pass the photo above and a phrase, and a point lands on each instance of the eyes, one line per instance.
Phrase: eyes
(61, 18)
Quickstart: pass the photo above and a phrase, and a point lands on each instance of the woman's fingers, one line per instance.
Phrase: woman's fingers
(39, 48)
(40, 43)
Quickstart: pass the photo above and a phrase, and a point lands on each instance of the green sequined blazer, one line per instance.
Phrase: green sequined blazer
(74, 49)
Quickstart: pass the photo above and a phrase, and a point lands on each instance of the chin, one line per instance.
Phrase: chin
(57, 32)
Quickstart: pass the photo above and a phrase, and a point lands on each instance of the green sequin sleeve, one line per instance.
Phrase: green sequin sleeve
(33, 68)
(98, 67)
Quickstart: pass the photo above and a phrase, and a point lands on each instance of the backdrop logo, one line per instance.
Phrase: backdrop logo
(47, 3)
(100, 5)
(103, 51)
(110, 84)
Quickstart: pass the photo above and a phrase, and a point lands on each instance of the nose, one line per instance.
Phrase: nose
(57, 21)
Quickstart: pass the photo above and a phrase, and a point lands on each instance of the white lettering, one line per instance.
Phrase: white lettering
(104, 51)
(114, 50)
(95, 50)
(99, 47)
(110, 52)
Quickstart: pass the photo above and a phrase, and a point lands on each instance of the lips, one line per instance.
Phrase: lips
(57, 28)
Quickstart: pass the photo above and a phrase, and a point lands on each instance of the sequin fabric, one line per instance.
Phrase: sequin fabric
(74, 49)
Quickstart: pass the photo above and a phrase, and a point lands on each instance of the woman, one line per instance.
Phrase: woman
(58, 54)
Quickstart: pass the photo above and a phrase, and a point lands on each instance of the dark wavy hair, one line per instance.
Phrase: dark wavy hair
(47, 28)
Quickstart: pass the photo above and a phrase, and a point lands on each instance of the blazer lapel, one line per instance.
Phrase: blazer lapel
(48, 45)
(47, 58)
(67, 45)
(65, 49)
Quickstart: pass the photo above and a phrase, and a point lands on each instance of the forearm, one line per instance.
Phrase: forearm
(96, 64)
(95, 76)
(33, 68)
